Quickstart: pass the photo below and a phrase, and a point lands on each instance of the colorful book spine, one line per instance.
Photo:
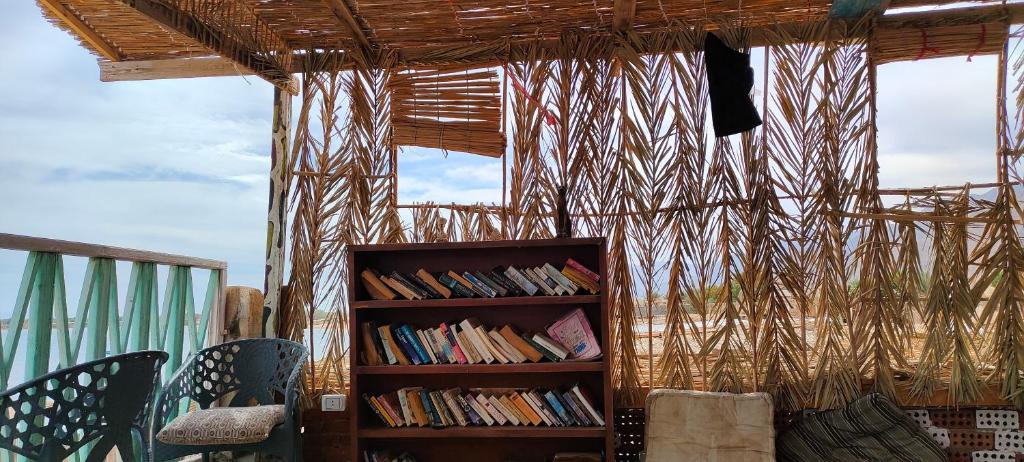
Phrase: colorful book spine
(456, 286)
(377, 410)
(406, 345)
(583, 270)
(417, 346)
(479, 285)
(502, 291)
(521, 280)
(450, 335)
(560, 410)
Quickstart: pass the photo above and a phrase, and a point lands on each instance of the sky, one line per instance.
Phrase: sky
(181, 166)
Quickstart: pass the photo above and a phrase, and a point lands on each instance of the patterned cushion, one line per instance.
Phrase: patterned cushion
(223, 425)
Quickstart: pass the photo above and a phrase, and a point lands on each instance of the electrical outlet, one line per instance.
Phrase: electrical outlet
(332, 403)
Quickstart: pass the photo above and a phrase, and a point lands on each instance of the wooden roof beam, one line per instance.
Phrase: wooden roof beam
(188, 25)
(624, 12)
(81, 29)
(344, 13)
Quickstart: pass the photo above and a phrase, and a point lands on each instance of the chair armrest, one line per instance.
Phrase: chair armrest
(177, 388)
(293, 388)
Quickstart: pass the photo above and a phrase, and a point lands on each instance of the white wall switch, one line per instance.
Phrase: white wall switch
(332, 403)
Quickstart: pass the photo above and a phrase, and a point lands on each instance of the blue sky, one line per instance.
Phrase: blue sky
(181, 166)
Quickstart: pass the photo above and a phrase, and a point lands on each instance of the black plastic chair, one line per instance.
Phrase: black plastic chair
(102, 403)
(244, 372)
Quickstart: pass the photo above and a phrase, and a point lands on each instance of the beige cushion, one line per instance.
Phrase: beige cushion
(709, 427)
(223, 425)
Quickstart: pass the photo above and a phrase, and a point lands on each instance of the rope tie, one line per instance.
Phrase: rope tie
(925, 49)
(549, 118)
(981, 43)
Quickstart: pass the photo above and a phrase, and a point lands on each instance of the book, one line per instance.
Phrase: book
(508, 350)
(442, 342)
(375, 287)
(525, 408)
(558, 408)
(403, 404)
(581, 280)
(544, 351)
(588, 404)
(538, 409)
(521, 280)
(560, 279)
(377, 410)
(573, 332)
(507, 402)
(471, 413)
(391, 406)
(422, 285)
(453, 342)
(551, 345)
(499, 356)
(548, 410)
(501, 290)
(469, 326)
(456, 287)
(428, 406)
(405, 344)
(543, 275)
(479, 285)
(513, 338)
(371, 353)
(461, 280)
(498, 276)
(427, 346)
(544, 287)
(496, 416)
(480, 410)
(409, 285)
(442, 409)
(430, 280)
(419, 412)
(472, 356)
(395, 354)
(400, 288)
(583, 270)
(577, 408)
(454, 408)
(510, 416)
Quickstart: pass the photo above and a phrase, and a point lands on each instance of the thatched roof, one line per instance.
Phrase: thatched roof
(261, 36)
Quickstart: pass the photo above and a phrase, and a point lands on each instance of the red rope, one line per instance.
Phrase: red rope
(981, 43)
(548, 116)
(925, 49)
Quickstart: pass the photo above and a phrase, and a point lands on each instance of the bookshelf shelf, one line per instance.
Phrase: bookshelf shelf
(525, 314)
(526, 368)
(478, 302)
(484, 432)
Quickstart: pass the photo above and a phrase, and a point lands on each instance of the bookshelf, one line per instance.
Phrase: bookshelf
(527, 313)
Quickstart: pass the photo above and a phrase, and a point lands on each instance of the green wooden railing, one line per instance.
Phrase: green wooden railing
(40, 317)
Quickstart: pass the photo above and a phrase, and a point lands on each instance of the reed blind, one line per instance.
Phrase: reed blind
(448, 107)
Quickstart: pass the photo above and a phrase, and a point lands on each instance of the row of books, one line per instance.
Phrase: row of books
(386, 456)
(470, 342)
(420, 407)
(511, 281)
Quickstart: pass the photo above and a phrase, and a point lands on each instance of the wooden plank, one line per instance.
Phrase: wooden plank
(40, 244)
(184, 68)
(214, 39)
(277, 211)
(81, 29)
(344, 13)
(624, 12)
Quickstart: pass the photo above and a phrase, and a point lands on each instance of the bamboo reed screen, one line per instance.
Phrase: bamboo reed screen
(767, 261)
(448, 107)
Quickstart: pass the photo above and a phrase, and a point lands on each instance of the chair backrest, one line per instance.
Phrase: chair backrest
(100, 402)
(255, 369)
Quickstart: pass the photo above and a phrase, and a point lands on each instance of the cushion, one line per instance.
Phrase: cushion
(872, 428)
(709, 427)
(223, 425)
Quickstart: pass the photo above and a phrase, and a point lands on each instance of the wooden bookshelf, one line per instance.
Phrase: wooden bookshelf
(503, 443)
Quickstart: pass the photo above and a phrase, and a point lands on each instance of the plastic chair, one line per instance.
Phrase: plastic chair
(242, 372)
(102, 403)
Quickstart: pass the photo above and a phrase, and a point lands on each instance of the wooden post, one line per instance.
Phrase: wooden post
(276, 213)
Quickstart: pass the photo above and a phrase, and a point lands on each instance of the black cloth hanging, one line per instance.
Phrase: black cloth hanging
(730, 79)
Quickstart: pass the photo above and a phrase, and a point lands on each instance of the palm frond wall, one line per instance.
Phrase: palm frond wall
(770, 261)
